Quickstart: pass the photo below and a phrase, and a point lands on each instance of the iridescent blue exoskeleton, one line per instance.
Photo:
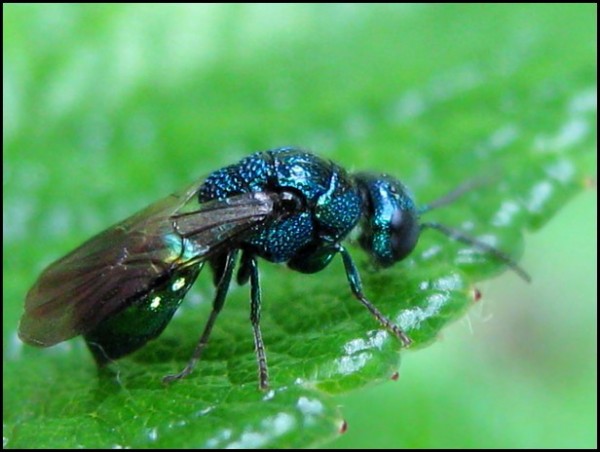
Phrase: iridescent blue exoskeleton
(121, 288)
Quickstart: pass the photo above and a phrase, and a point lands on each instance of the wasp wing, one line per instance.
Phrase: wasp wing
(122, 264)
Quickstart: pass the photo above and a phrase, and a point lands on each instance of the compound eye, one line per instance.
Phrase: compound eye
(404, 233)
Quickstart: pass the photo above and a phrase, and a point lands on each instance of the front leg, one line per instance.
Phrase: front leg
(356, 287)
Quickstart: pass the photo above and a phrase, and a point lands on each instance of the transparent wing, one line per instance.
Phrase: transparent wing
(120, 265)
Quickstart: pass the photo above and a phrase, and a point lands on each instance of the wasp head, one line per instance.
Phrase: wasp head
(390, 227)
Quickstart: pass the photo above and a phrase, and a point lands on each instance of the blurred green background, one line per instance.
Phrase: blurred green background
(107, 108)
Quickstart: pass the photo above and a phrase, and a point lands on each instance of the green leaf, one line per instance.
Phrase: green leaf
(107, 108)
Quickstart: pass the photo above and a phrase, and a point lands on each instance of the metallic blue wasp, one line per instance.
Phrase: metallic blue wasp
(121, 288)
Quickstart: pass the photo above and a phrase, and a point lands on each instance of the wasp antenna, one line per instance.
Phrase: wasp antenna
(459, 236)
(449, 198)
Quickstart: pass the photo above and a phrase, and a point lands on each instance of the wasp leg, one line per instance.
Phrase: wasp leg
(255, 301)
(356, 287)
(222, 288)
